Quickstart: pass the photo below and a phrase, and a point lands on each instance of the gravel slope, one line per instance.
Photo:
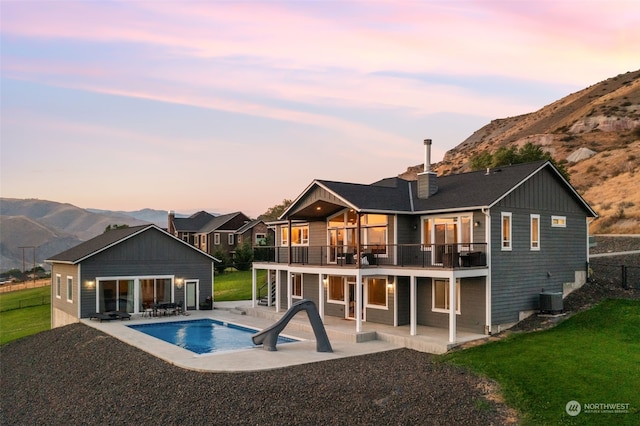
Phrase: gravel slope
(78, 375)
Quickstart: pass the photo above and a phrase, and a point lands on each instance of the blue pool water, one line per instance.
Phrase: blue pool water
(204, 335)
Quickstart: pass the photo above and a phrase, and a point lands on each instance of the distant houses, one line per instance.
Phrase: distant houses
(212, 233)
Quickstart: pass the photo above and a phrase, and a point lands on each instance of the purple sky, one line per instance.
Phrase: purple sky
(226, 106)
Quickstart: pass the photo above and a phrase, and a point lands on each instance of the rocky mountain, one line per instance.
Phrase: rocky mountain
(49, 226)
(595, 133)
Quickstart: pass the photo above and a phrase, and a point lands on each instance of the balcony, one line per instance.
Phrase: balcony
(448, 256)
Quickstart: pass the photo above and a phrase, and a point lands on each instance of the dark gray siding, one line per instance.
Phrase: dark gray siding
(472, 306)
(408, 229)
(150, 253)
(310, 287)
(519, 275)
(404, 303)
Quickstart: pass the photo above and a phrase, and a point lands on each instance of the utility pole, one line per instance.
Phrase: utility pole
(34, 262)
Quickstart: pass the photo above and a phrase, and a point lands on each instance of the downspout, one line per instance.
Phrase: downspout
(289, 248)
(487, 231)
(79, 289)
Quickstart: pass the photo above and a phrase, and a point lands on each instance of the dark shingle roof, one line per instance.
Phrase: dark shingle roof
(459, 191)
(108, 239)
(96, 244)
(192, 223)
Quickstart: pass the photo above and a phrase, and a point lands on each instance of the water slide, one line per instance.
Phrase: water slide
(269, 336)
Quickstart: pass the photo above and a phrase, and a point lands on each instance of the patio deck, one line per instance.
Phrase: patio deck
(427, 339)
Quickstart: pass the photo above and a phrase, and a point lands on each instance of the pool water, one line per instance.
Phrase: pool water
(203, 336)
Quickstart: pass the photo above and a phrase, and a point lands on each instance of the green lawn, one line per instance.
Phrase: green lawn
(592, 358)
(236, 285)
(22, 313)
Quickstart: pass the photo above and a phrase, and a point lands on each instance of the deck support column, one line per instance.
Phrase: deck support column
(413, 306)
(359, 302)
(321, 296)
(452, 309)
(269, 286)
(254, 287)
(289, 285)
(278, 273)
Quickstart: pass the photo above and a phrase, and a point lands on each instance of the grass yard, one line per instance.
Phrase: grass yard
(236, 285)
(22, 313)
(591, 358)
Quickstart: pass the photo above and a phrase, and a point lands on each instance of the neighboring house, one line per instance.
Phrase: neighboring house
(211, 233)
(471, 251)
(128, 269)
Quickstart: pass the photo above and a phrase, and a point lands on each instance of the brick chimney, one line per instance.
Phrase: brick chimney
(171, 227)
(427, 180)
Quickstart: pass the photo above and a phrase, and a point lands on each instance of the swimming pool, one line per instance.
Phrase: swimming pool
(203, 336)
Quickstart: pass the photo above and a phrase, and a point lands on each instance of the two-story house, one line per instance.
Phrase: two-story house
(470, 251)
(210, 233)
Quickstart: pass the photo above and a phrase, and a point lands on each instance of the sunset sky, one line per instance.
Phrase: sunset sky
(225, 106)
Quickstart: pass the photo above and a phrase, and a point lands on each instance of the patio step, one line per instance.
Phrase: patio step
(421, 345)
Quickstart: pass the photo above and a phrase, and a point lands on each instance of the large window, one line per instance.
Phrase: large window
(535, 232)
(336, 288)
(154, 290)
(69, 289)
(230, 239)
(116, 295)
(296, 286)
(445, 235)
(440, 296)
(299, 235)
(506, 231)
(377, 292)
(342, 234)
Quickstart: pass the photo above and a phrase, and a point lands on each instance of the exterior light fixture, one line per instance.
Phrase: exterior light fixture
(179, 282)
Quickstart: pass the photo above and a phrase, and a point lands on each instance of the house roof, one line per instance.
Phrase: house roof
(203, 222)
(248, 225)
(455, 192)
(104, 241)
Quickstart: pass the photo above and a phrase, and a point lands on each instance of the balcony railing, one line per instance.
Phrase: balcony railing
(463, 255)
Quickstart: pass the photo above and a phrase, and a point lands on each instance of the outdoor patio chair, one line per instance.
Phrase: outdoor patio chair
(102, 317)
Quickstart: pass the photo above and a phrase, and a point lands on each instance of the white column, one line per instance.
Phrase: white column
(452, 309)
(254, 287)
(321, 296)
(413, 306)
(359, 302)
(278, 273)
(289, 280)
(269, 287)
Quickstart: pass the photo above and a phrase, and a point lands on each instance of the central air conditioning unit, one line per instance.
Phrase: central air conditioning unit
(551, 303)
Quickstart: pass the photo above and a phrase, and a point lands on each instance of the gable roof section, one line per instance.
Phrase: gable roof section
(479, 189)
(192, 223)
(109, 239)
(217, 222)
(248, 226)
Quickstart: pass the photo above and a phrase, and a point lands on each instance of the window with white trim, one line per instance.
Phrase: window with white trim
(261, 239)
(377, 293)
(440, 296)
(506, 231)
(69, 289)
(216, 239)
(535, 232)
(299, 235)
(230, 239)
(58, 286)
(558, 221)
(296, 286)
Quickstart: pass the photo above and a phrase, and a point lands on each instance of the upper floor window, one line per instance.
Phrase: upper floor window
(343, 229)
(261, 239)
(535, 232)
(299, 235)
(216, 239)
(230, 239)
(559, 221)
(69, 289)
(506, 231)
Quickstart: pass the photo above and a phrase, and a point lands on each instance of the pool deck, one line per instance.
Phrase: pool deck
(344, 340)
